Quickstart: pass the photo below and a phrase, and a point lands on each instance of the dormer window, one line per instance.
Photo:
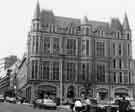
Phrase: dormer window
(98, 33)
(118, 35)
(87, 31)
(101, 33)
(128, 36)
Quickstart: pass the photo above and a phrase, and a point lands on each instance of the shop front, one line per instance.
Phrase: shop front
(102, 94)
(46, 91)
(120, 92)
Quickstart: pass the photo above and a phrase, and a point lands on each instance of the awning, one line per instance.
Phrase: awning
(121, 94)
(121, 91)
(102, 90)
(47, 89)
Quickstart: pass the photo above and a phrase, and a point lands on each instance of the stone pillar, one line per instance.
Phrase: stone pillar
(33, 92)
(50, 70)
(51, 45)
(111, 92)
(76, 53)
(58, 92)
(38, 75)
(130, 92)
(43, 46)
(117, 77)
(122, 78)
(61, 45)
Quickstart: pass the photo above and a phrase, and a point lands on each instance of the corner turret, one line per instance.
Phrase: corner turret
(84, 20)
(36, 18)
(37, 11)
(126, 28)
(126, 23)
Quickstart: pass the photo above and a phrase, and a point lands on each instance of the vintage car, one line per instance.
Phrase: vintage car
(45, 103)
(10, 99)
(1, 98)
(132, 104)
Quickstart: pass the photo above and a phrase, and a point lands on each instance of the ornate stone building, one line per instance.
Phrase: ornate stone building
(84, 53)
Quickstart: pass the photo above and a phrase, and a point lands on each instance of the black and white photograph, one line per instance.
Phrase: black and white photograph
(67, 56)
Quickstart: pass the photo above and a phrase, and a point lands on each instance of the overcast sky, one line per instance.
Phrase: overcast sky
(15, 18)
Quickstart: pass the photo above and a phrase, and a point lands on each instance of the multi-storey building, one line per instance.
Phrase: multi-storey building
(7, 81)
(21, 78)
(81, 53)
(6, 63)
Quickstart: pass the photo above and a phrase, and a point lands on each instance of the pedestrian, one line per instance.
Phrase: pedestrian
(88, 103)
(71, 102)
(124, 105)
(78, 105)
(34, 103)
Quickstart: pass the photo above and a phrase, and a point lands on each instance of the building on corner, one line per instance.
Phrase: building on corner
(84, 53)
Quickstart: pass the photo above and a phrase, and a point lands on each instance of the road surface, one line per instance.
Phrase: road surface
(8, 107)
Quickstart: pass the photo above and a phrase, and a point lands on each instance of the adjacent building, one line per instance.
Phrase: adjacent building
(8, 72)
(65, 53)
(6, 63)
(21, 78)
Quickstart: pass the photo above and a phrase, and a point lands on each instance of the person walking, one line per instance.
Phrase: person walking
(124, 105)
(86, 104)
(78, 105)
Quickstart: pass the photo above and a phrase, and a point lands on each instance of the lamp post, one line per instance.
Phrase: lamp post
(15, 91)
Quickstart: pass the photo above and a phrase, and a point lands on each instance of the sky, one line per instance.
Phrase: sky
(16, 15)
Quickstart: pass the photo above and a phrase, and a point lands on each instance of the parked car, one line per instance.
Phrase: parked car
(94, 106)
(1, 98)
(10, 99)
(45, 103)
(132, 105)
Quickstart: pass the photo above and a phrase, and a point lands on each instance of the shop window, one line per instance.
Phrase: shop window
(103, 95)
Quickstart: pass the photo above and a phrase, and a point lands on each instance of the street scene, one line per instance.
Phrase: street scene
(70, 63)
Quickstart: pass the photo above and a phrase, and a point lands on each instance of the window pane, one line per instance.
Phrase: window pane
(71, 46)
(99, 48)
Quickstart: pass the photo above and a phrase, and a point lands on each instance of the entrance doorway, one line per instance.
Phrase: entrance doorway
(70, 92)
(102, 94)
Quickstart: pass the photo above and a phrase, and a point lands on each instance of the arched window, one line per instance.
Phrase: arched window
(71, 92)
(120, 64)
(120, 77)
(120, 50)
(114, 63)
(113, 49)
(128, 36)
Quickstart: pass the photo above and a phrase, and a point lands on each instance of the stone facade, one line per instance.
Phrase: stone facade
(79, 52)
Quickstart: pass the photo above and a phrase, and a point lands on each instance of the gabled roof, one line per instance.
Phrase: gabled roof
(84, 20)
(115, 24)
(48, 17)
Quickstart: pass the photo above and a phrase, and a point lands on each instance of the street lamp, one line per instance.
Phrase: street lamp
(15, 91)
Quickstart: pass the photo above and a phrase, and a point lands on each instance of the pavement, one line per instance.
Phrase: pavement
(8, 107)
